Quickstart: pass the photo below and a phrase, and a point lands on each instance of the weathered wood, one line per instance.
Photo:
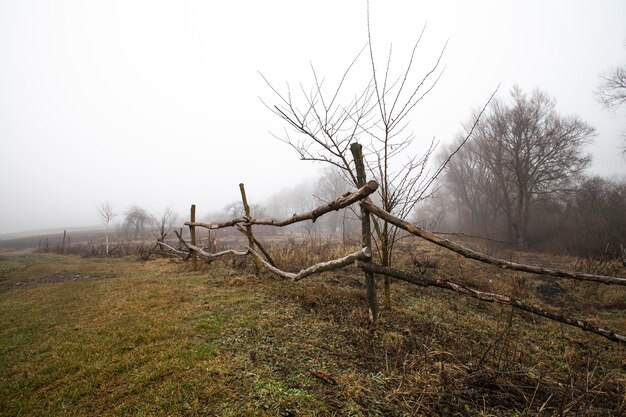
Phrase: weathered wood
(314, 269)
(258, 245)
(63, 243)
(192, 232)
(213, 256)
(341, 202)
(180, 237)
(249, 233)
(489, 297)
(366, 232)
(221, 225)
(176, 251)
(472, 254)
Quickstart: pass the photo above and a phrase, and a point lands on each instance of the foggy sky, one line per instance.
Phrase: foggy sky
(156, 103)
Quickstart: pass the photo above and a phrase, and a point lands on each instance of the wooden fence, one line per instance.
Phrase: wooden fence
(363, 257)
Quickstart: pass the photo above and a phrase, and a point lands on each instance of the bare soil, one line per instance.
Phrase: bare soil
(60, 277)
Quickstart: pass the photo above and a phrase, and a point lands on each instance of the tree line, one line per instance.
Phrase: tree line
(521, 178)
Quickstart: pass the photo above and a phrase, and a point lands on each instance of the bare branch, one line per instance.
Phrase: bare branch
(337, 204)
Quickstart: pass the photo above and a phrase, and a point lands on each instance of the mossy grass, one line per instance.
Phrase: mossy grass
(122, 337)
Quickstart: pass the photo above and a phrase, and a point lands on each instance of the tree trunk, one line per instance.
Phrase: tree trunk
(385, 260)
(106, 239)
(192, 232)
(366, 233)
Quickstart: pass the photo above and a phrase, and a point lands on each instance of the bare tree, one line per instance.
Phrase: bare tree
(331, 184)
(164, 223)
(137, 218)
(106, 213)
(595, 224)
(612, 92)
(470, 187)
(612, 89)
(525, 153)
(377, 115)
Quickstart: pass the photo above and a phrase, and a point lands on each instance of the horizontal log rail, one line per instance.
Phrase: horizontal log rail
(176, 251)
(294, 276)
(317, 268)
(212, 256)
(362, 259)
(489, 297)
(472, 254)
(341, 202)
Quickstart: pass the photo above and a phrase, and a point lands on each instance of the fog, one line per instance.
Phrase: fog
(156, 103)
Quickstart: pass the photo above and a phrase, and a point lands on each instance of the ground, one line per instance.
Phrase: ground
(116, 336)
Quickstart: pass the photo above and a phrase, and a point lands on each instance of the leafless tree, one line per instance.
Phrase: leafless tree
(471, 188)
(523, 153)
(106, 213)
(612, 92)
(236, 209)
(595, 223)
(331, 184)
(137, 218)
(164, 223)
(378, 116)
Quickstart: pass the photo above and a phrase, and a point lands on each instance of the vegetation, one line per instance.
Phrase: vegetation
(611, 92)
(105, 336)
(521, 154)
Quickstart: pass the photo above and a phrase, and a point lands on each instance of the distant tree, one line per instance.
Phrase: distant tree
(164, 223)
(522, 152)
(236, 209)
(596, 224)
(331, 185)
(612, 92)
(137, 218)
(106, 213)
(469, 188)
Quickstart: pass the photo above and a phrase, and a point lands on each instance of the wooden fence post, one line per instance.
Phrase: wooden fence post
(63, 244)
(192, 232)
(366, 232)
(246, 207)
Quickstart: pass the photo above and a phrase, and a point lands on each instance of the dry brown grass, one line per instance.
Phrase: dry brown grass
(159, 339)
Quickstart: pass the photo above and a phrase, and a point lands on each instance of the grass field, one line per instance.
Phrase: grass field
(114, 336)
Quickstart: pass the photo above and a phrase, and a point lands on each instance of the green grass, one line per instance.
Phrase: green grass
(154, 338)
